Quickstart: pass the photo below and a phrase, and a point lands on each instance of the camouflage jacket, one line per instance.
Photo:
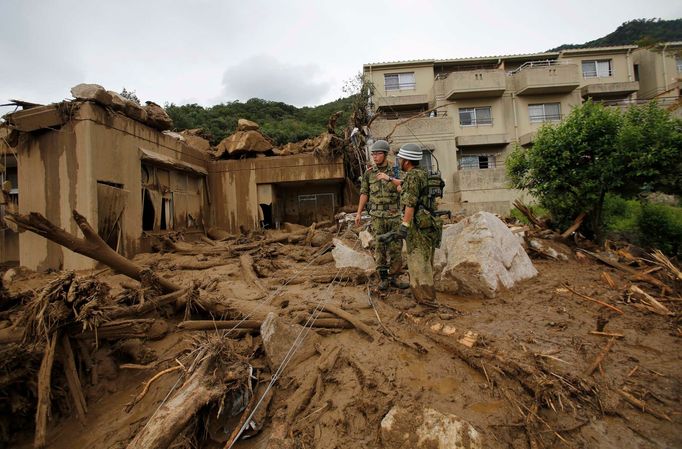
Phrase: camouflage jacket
(384, 199)
(415, 188)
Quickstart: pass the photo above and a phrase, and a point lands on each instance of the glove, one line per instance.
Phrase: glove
(402, 230)
(387, 237)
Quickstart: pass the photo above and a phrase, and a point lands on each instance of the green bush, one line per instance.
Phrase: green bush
(539, 212)
(620, 217)
(660, 227)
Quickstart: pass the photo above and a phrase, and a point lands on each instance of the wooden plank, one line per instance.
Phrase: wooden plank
(44, 391)
(72, 378)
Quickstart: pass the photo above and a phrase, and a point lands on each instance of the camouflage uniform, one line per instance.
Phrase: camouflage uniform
(384, 208)
(423, 235)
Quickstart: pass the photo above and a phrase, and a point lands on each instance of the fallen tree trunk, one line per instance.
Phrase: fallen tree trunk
(250, 274)
(636, 274)
(44, 392)
(91, 245)
(333, 323)
(172, 418)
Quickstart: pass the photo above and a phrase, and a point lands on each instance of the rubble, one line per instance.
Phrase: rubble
(427, 429)
(278, 336)
(156, 117)
(479, 255)
(345, 256)
(92, 92)
(242, 142)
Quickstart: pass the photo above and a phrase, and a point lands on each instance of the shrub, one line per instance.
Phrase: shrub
(660, 227)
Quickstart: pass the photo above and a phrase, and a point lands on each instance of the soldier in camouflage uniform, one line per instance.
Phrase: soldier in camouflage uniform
(380, 188)
(418, 227)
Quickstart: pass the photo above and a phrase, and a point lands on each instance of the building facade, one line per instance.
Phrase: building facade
(470, 113)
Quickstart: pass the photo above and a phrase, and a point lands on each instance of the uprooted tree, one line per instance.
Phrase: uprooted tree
(598, 150)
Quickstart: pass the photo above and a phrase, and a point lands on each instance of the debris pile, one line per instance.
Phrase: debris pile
(262, 335)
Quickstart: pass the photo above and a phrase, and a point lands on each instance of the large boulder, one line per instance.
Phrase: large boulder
(278, 337)
(195, 139)
(347, 256)
(243, 142)
(247, 125)
(479, 256)
(427, 428)
(92, 92)
(157, 117)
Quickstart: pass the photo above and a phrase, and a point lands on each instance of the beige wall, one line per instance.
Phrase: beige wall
(59, 170)
(620, 71)
(236, 185)
(423, 80)
(658, 73)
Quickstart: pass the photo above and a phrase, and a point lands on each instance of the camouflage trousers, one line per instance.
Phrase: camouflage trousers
(420, 250)
(387, 255)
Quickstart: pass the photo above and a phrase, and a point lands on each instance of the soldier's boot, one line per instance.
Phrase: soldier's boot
(397, 283)
(383, 284)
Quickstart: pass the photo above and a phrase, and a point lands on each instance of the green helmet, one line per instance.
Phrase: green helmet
(380, 145)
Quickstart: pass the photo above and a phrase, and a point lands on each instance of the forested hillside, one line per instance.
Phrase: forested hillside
(280, 121)
(643, 32)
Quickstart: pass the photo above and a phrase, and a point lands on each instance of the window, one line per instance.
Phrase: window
(547, 112)
(475, 116)
(399, 81)
(477, 162)
(597, 69)
(678, 61)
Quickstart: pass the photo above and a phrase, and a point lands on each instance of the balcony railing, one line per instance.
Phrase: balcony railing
(534, 64)
(476, 122)
(400, 86)
(546, 118)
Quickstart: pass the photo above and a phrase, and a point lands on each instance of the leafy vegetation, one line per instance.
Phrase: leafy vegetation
(643, 32)
(280, 121)
(597, 150)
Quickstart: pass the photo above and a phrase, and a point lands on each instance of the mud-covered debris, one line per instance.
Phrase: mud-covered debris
(346, 255)
(479, 255)
(427, 428)
(279, 336)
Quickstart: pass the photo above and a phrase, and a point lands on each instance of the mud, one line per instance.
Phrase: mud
(522, 384)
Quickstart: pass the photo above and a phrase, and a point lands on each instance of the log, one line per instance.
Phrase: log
(250, 275)
(221, 307)
(44, 391)
(606, 334)
(201, 265)
(148, 306)
(371, 333)
(528, 213)
(72, 379)
(574, 227)
(172, 417)
(641, 405)
(600, 357)
(636, 274)
(121, 329)
(601, 303)
(245, 325)
(651, 302)
(91, 245)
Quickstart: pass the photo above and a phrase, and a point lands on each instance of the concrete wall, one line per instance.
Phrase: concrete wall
(234, 184)
(423, 78)
(658, 71)
(59, 171)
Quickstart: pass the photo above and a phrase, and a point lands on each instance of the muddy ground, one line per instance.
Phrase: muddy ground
(521, 384)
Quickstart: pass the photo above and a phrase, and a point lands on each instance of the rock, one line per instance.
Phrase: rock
(366, 238)
(479, 255)
(247, 125)
(156, 117)
(8, 277)
(346, 256)
(290, 148)
(92, 92)
(549, 249)
(243, 142)
(118, 101)
(279, 335)
(427, 429)
(174, 135)
(196, 140)
(321, 238)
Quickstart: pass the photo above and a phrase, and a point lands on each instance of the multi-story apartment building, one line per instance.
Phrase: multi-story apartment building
(470, 113)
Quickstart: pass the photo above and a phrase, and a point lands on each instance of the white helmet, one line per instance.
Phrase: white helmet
(411, 152)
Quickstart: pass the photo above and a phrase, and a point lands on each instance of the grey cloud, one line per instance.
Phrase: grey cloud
(266, 77)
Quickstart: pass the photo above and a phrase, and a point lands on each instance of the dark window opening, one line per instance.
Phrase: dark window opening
(148, 213)
(636, 69)
(164, 214)
(267, 216)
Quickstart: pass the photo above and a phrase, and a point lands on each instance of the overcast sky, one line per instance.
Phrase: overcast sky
(299, 52)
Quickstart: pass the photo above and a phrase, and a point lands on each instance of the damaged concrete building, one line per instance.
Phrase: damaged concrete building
(133, 182)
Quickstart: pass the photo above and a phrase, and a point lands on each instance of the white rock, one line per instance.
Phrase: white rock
(366, 238)
(427, 429)
(479, 255)
(347, 256)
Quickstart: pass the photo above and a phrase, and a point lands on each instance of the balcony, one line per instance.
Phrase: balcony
(546, 77)
(401, 101)
(475, 84)
(609, 90)
(481, 140)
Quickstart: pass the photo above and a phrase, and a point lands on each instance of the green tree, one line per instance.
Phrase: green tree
(130, 95)
(596, 150)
